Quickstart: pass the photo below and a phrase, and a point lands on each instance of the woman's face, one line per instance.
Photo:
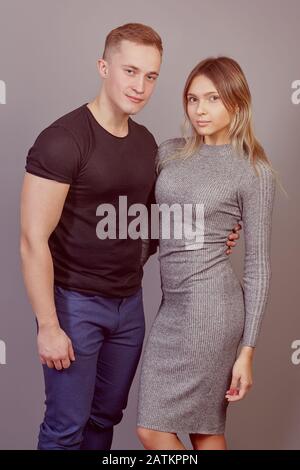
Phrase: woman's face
(206, 111)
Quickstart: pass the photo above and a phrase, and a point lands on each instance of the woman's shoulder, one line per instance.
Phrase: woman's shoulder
(256, 176)
(259, 167)
(169, 146)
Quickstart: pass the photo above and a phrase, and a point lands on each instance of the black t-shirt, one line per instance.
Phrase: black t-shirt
(99, 167)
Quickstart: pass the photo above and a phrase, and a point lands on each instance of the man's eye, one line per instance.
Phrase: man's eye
(129, 71)
(152, 78)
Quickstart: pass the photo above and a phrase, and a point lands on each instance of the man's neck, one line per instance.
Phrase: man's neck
(104, 113)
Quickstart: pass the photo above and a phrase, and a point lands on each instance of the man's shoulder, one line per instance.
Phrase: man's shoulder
(58, 149)
(144, 132)
(73, 121)
(70, 130)
(66, 135)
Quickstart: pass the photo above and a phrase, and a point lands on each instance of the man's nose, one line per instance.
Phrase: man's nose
(139, 85)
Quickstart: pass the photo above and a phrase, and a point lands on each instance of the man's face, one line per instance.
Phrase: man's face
(130, 74)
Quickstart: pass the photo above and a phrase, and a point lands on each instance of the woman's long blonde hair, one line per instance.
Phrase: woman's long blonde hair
(232, 86)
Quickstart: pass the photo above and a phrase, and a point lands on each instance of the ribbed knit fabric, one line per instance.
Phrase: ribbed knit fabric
(205, 311)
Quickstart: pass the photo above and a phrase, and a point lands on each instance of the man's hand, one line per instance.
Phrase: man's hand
(234, 235)
(55, 347)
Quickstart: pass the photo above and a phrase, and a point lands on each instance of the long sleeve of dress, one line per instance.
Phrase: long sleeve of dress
(256, 197)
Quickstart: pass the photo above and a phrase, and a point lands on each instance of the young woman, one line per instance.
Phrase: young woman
(191, 369)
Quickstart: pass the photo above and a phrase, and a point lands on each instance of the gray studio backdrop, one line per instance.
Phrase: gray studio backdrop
(48, 53)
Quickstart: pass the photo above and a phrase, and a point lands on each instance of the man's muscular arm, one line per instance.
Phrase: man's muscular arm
(42, 201)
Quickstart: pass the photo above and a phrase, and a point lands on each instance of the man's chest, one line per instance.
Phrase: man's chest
(107, 175)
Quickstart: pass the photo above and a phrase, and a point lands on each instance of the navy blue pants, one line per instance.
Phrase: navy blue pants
(85, 401)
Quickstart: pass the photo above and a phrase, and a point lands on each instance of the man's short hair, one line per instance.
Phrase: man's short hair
(135, 32)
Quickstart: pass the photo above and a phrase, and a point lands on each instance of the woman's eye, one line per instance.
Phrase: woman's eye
(214, 98)
(191, 99)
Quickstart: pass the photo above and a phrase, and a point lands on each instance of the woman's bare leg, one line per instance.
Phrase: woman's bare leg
(208, 441)
(158, 440)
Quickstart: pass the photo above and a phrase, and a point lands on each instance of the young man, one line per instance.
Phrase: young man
(86, 291)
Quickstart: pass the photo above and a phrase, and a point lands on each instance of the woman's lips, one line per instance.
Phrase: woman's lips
(203, 123)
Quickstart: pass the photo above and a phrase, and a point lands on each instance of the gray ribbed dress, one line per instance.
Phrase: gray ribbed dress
(205, 311)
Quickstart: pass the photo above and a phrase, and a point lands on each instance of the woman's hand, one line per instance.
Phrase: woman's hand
(241, 375)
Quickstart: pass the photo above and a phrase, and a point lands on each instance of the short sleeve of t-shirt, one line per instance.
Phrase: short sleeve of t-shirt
(55, 155)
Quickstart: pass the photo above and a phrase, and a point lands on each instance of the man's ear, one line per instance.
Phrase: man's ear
(102, 67)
